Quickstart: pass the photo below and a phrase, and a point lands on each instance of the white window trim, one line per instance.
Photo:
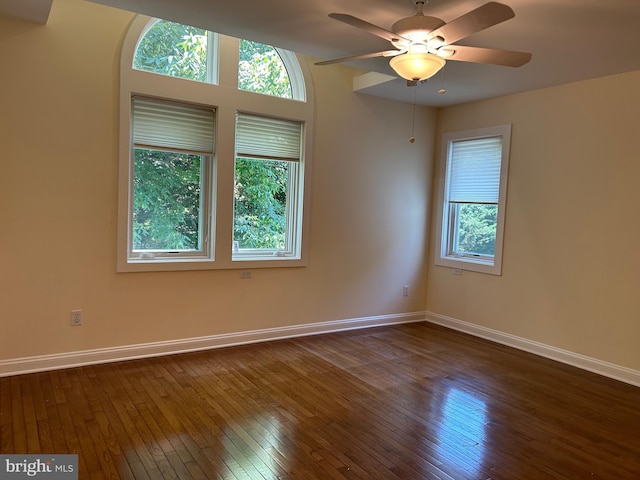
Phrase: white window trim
(482, 264)
(293, 240)
(227, 100)
(289, 59)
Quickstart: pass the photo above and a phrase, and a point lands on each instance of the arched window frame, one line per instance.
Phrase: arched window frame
(298, 91)
(224, 96)
(212, 48)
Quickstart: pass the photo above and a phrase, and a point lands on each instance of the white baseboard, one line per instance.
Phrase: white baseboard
(23, 365)
(600, 367)
(18, 366)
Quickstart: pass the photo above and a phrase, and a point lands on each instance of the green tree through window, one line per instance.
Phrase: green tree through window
(173, 49)
(260, 203)
(166, 200)
(477, 229)
(167, 186)
(261, 70)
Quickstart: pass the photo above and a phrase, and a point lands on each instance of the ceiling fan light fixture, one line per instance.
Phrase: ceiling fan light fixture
(445, 52)
(417, 66)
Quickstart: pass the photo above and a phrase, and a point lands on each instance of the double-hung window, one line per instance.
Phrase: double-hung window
(173, 147)
(474, 170)
(267, 187)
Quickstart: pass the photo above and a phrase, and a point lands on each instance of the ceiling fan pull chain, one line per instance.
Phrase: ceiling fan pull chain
(412, 139)
(442, 90)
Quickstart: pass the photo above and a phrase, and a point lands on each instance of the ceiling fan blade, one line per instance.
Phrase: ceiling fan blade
(476, 20)
(369, 27)
(386, 53)
(492, 56)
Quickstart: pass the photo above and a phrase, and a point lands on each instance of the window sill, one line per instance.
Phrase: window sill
(182, 265)
(470, 264)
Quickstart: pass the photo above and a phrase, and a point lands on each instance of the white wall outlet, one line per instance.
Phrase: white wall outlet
(457, 271)
(405, 290)
(245, 274)
(76, 318)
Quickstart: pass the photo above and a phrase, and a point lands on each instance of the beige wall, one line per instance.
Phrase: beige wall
(571, 264)
(58, 176)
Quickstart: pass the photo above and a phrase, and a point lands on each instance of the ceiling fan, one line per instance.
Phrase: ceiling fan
(422, 44)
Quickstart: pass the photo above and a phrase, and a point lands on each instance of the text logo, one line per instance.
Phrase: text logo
(39, 466)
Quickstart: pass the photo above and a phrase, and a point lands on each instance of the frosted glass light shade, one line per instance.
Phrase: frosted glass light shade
(417, 66)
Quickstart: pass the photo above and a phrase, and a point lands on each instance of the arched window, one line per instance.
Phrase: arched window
(211, 176)
(183, 51)
(177, 50)
(261, 70)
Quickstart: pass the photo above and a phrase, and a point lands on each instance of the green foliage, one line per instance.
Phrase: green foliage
(477, 229)
(260, 204)
(261, 70)
(167, 185)
(173, 49)
(166, 204)
(260, 215)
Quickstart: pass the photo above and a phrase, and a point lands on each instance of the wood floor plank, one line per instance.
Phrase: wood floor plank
(18, 426)
(407, 402)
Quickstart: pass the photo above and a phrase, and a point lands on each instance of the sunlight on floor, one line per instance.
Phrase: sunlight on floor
(461, 432)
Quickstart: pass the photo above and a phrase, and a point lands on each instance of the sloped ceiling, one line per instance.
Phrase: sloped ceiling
(36, 11)
(570, 40)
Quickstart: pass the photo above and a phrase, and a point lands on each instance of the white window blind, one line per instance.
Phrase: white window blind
(475, 170)
(165, 125)
(268, 138)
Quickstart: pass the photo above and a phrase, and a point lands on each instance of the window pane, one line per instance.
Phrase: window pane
(261, 70)
(173, 49)
(167, 201)
(475, 231)
(260, 207)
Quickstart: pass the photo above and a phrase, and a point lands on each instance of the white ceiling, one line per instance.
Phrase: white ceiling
(570, 40)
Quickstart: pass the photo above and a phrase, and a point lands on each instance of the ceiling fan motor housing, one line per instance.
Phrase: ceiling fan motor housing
(416, 27)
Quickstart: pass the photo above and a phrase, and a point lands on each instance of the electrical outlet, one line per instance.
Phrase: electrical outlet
(457, 271)
(405, 290)
(245, 274)
(76, 318)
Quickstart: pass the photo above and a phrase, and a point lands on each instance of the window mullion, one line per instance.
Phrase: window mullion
(213, 48)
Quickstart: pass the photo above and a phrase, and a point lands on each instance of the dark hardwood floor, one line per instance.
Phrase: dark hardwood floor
(413, 401)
